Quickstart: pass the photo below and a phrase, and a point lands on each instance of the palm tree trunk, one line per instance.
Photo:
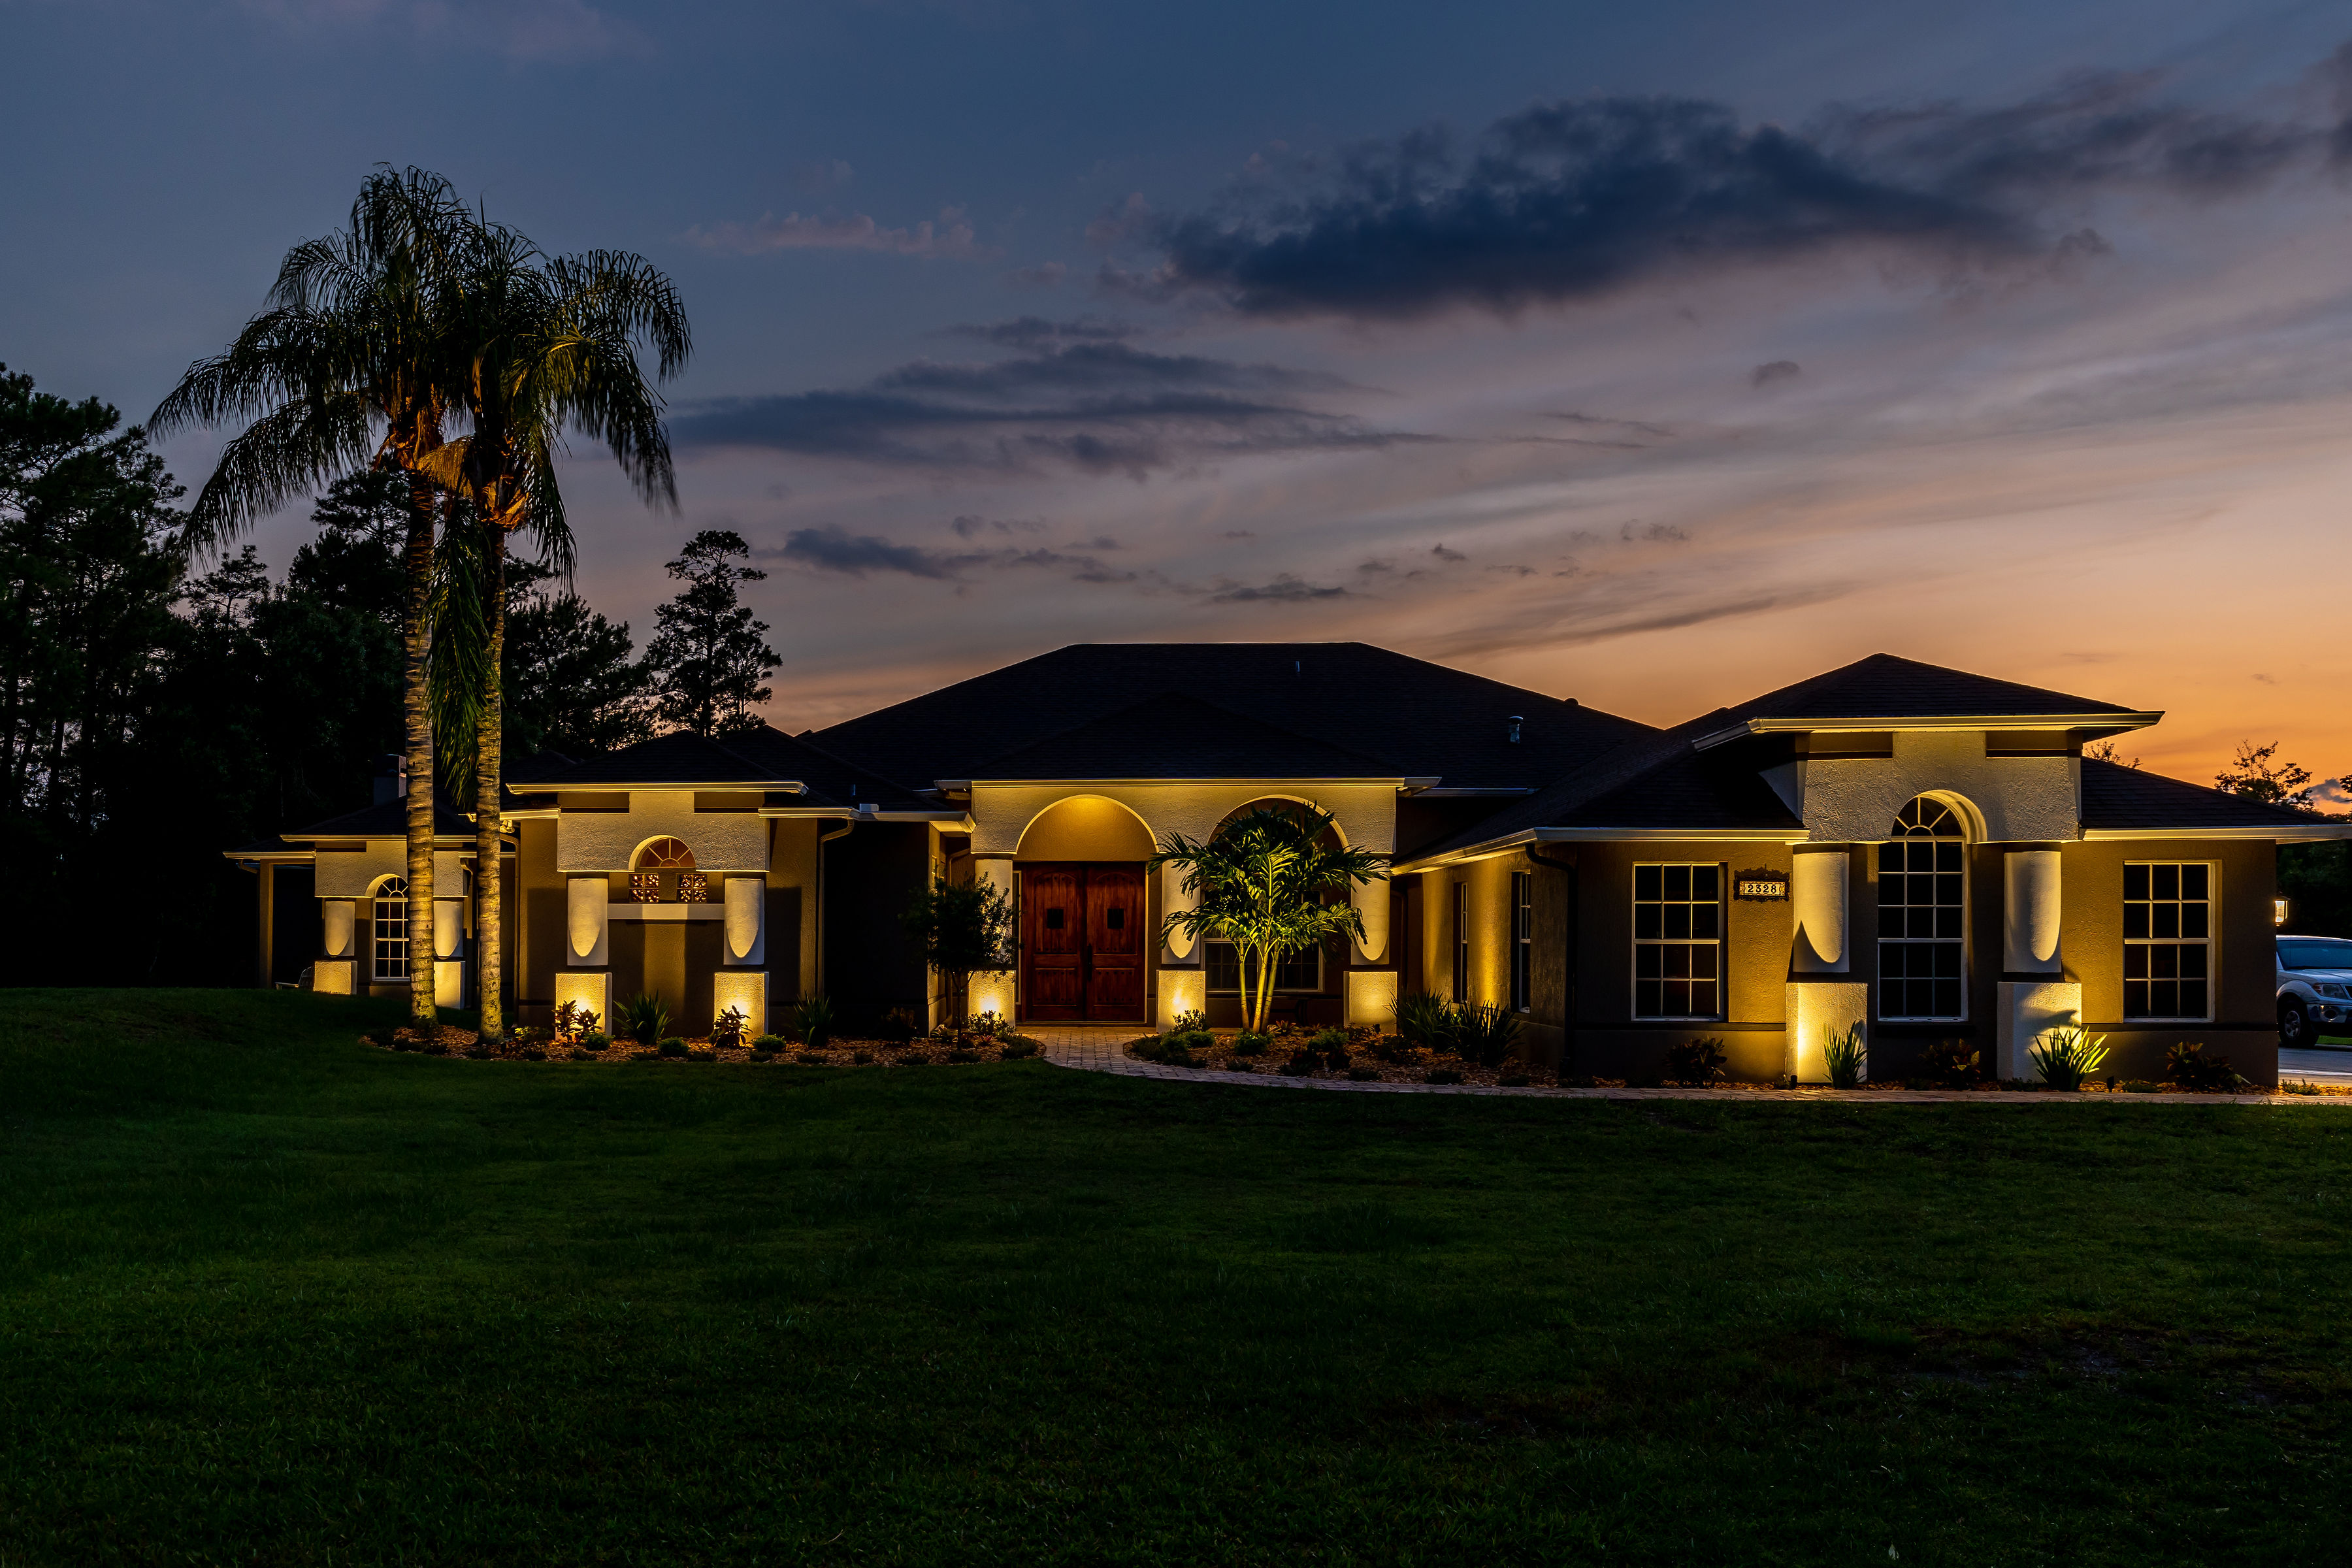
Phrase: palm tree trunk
(415, 701)
(488, 737)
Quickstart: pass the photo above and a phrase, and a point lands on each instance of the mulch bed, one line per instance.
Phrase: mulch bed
(451, 1041)
(1415, 1064)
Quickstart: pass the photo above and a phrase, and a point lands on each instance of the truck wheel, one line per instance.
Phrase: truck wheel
(2294, 1027)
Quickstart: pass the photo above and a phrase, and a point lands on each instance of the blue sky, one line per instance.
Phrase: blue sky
(2010, 336)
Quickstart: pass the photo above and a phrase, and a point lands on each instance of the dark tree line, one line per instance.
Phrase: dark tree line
(153, 714)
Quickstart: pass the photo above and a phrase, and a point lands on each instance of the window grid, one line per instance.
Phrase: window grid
(1523, 941)
(1923, 915)
(1302, 971)
(2168, 940)
(390, 930)
(1461, 941)
(1677, 942)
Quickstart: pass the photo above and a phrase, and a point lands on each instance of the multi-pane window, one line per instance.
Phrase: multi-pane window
(1461, 941)
(1923, 915)
(1301, 970)
(388, 932)
(2168, 940)
(1677, 942)
(1523, 940)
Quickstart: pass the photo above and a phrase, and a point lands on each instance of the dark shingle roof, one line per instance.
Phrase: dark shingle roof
(1885, 687)
(1416, 718)
(831, 780)
(752, 760)
(1178, 736)
(390, 820)
(2115, 796)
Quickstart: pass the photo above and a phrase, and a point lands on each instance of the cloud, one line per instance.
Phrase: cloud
(1031, 334)
(1286, 589)
(1044, 275)
(1442, 554)
(1096, 405)
(548, 31)
(950, 238)
(1780, 370)
(1571, 200)
(835, 551)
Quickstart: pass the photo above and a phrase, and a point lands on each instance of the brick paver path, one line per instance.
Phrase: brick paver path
(1099, 1048)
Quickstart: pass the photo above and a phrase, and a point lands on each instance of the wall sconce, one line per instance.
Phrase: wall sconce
(2278, 911)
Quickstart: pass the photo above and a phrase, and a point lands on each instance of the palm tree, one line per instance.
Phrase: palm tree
(1264, 882)
(550, 346)
(346, 368)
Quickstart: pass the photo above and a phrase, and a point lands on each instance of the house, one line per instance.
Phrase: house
(1921, 851)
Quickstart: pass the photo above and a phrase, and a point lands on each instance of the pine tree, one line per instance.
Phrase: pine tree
(711, 658)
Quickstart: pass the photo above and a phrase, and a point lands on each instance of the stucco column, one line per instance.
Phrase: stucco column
(747, 914)
(2029, 925)
(1178, 950)
(338, 925)
(1371, 902)
(994, 991)
(586, 943)
(1817, 899)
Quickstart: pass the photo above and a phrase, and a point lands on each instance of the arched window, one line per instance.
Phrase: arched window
(1923, 915)
(666, 864)
(388, 932)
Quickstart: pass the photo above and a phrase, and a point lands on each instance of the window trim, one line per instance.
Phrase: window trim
(2211, 941)
(1719, 942)
(1965, 941)
(377, 899)
(1314, 953)
(1523, 941)
(1461, 985)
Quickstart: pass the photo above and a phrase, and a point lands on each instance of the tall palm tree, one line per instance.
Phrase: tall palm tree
(347, 367)
(552, 347)
(1264, 883)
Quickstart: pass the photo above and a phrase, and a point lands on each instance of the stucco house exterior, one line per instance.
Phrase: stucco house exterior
(1921, 850)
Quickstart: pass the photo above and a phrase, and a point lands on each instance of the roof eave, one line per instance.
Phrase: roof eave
(2116, 722)
(603, 786)
(2281, 833)
(1486, 850)
(1392, 781)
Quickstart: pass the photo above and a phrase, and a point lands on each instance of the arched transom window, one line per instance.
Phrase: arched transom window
(388, 930)
(666, 866)
(1923, 915)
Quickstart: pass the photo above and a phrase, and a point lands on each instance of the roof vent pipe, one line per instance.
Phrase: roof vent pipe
(1515, 722)
(390, 779)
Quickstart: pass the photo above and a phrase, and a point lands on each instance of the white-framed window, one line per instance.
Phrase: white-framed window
(1523, 941)
(388, 931)
(1302, 971)
(1677, 942)
(2168, 940)
(1923, 915)
(1461, 941)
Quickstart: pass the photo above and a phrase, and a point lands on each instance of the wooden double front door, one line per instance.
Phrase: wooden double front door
(1083, 940)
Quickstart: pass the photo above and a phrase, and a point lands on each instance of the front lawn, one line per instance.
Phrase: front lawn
(267, 1296)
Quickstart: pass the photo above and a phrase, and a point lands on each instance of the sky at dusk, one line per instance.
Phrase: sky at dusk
(1655, 356)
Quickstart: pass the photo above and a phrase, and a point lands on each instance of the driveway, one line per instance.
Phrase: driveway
(2322, 1065)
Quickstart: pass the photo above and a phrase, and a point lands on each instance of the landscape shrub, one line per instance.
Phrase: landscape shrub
(1363, 1075)
(1017, 1046)
(774, 1045)
(1426, 1020)
(400, 1043)
(434, 1048)
(1844, 1057)
(572, 1021)
(1391, 1047)
(813, 1021)
(988, 1025)
(593, 1043)
(2064, 1057)
(1441, 1075)
(670, 1046)
(1486, 1033)
(901, 1025)
(1302, 1062)
(644, 1018)
(1514, 1080)
(763, 1056)
(535, 1054)
(1694, 1062)
(966, 1056)
(727, 1028)
(1951, 1064)
(2189, 1066)
(2297, 1085)
(1250, 1042)
(1190, 1021)
(812, 1059)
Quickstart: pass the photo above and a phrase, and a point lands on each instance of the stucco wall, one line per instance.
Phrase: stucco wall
(605, 841)
(791, 898)
(1366, 813)
(347, 875)
(1856, 801)
(1086, 828)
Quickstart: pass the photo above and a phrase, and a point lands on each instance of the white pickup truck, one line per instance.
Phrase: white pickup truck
(2314, 991)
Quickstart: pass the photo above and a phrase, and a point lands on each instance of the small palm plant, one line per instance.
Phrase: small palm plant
(1486, 1033)
(1426, 1019)
(644, 1018)
(813, 1019)
(1264, 883)
(1845, 1056)
(2064, 1057)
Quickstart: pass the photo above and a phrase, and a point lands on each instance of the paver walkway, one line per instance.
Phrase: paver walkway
(1096, 1048)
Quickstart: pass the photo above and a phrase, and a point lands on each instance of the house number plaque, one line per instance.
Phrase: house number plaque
(1762, 888)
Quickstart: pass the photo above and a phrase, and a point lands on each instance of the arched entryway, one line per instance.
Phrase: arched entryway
(1086, 913)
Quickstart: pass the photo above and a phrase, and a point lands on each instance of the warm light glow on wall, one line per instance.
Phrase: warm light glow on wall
(589, 988)
(1182, 991)
(746, 989)
(1816, 1012)
(1371, 997)
(449, 983)
(2278, 911)
(336, 921)
(331, 976)
(991, 992)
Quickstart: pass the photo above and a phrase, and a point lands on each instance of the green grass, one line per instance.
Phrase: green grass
(267, 1297)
